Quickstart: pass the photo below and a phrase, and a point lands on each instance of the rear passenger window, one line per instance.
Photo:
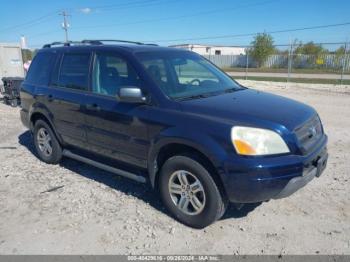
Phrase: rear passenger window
(39, 70)
(74, 71)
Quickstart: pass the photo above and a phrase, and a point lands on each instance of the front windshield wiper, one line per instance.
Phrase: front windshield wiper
(231, 90)
(193, 97)
(205, 95)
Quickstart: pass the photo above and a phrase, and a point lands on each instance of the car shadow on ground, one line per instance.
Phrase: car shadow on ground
(141, 191)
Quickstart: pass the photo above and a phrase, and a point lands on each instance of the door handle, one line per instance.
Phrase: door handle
(93, 107)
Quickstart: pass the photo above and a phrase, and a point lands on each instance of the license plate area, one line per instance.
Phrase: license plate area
(321, 164)
(317, 165)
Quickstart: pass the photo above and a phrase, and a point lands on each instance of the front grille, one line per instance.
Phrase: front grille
(309, 134)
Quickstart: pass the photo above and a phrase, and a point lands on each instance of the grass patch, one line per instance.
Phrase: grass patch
(284, 70)
(296, 80)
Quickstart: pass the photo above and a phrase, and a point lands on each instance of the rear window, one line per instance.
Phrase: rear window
(74, 71)
(39, 70)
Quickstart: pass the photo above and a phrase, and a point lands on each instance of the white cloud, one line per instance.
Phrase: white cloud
(85, 10)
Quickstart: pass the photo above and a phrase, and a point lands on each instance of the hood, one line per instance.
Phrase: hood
(251, 107)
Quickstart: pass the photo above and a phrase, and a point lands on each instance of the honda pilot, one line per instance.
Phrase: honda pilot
(170, 118)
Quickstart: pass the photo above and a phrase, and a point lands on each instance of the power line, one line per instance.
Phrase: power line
(44, 18)
(121, 5)
(111, 7)
(250, 34)
(146, 4)
(182, 16)
(32, 22)
(44, 33)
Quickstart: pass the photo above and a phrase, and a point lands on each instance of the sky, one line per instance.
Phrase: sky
(169, 22)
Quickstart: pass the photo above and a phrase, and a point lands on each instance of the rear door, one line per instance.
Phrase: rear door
(116, 130)
(68, 89)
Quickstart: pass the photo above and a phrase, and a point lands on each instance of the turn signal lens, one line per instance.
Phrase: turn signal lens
(243, 148)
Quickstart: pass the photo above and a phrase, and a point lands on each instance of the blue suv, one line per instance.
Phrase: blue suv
(171, 118)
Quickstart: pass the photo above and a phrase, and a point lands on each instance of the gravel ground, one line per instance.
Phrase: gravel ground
(73, 208)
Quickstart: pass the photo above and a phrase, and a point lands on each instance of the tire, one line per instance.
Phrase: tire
(50, 156)
(14, 103)
(213, 204)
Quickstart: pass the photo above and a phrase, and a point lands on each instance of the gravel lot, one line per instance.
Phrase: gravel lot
(95, 212)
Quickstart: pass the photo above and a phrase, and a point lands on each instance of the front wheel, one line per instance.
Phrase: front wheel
(189, 192)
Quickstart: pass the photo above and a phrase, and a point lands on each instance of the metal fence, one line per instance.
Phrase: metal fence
(328, 61)
(328, 66)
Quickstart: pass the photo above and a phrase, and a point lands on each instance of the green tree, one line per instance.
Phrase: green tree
(340, 51)
(339, 56)
(27, 55)
(314, 54)
(310, 48)
(262, 48)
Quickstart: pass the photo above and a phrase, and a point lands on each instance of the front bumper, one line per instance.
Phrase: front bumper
(256, 179)
(315, 170)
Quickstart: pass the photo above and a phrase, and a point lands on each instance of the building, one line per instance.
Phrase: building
(212, 49)
(11, 64)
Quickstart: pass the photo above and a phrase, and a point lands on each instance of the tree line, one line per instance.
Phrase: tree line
(263, 46)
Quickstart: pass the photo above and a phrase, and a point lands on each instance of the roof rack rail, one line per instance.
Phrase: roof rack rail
(100, 41)
(68, 43)
(114, 40)
(93, 42)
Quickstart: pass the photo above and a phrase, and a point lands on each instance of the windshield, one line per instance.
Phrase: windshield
(184, 75)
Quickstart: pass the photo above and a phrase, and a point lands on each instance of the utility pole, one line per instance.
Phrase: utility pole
(65, 24)
(289, 59)
(344, 63)
(246, 63)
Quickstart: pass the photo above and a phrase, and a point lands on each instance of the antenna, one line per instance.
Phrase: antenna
(65, 24)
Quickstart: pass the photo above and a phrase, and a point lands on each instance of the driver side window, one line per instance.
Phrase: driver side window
(193, 73)
(110, 73)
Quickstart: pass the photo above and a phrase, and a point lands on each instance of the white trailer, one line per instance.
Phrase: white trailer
(11, 62)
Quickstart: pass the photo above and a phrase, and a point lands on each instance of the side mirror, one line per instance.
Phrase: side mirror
(131, 94)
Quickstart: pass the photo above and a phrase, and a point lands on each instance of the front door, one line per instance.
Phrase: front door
(114, 129)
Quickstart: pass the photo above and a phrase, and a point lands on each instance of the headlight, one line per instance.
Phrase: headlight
(257, 141)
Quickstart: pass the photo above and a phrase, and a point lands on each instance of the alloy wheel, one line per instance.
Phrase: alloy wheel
(187, 192)
(44, 141)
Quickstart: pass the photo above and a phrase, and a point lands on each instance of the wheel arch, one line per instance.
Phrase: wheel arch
(36, 115)
(185, 148)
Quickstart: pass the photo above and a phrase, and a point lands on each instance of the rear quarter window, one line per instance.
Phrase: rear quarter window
(40, 69)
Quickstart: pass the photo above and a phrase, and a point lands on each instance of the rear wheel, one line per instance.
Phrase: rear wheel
(189, 192)
(46, 144)
(14, 102)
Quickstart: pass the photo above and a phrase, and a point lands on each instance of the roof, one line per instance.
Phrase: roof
(99, 45)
